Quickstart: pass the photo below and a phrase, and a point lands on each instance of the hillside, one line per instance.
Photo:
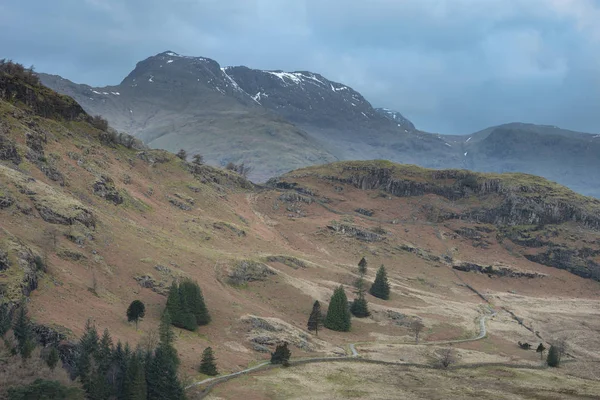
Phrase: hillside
(114, 224)
(239, 114)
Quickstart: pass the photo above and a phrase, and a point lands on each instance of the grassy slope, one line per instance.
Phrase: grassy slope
(147, 230)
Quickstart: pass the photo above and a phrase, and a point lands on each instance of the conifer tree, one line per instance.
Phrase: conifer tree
(120, 361)
(194, 301)
(4, 320)
(175, 307)
(381, 286)
(359, 307)
(53, 358)
(23, 333)
(362, 266)
(338, 315)
(315, 320)
(161, 377)
(208, 365)
(164, 330)
(553, 359)
(188, 318)
(541, 349)
(135, 312)
(281, 355)
(134, 385)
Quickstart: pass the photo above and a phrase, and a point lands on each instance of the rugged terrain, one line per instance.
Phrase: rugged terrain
(277, 121)
(112, 223)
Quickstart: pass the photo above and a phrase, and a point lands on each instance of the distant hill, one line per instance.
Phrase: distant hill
(276, 121)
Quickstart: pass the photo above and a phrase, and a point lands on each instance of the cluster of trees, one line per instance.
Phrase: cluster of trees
(186, 306)
(241, 169)
(197, 159)
(17, 70)
(339, 313)
(109, 371)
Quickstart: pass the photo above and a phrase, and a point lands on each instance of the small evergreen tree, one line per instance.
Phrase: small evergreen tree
(338, 315)
(175, 307)
(207, 365)
(281, 355)
(315, 320)
(541, 349)
(4, 320)
(359, 307)
(192, 302)
(553, 359)
(362, 266)
(182, 154)
(164, 331)
(134, 385)
(135, 311)
(381, 286)
(161, 377)
(53, 358)
(23, 333)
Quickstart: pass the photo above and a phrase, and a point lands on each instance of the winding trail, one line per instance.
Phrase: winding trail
(211, 382)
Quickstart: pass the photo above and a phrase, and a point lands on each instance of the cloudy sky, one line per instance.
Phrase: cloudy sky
(451, 66)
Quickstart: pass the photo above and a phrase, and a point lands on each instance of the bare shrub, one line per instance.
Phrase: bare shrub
(416, 327)
(241, 169)
(445, 358)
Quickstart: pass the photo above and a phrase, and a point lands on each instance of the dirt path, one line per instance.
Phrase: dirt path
(211, 382)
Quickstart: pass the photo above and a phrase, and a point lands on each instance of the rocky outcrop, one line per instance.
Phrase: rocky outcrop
(225, 225)
(6, 200)
(356, 232)
(529, 202)
(249, 271)
(292, 197)
(104, 187)
(266, 332)
(25, 270)
(76, 214)
(577, 261)
(287, 260)
(495, 270)
(8, 150)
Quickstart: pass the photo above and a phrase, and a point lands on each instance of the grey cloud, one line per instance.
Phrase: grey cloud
(452, 66)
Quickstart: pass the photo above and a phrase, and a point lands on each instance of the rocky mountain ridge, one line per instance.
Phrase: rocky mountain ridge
(239, 114)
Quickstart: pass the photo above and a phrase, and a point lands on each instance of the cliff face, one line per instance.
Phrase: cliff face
(505, 199)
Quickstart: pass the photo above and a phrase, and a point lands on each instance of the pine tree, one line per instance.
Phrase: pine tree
(84, 365)
(281, 355)
(188, 319)
(120, 361)
(338, 315)
(359, 307)
(553, 359)
(161, 377)
(53, 358)
(541, 349)
(194, 301)
(23, 333)
(381, 286)
(207, 365)
(315, 320)
(103, 356)
(362, 266)
(134, 385)
(177, 301)
(135, 312)
(4, 319)
(164, 330)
